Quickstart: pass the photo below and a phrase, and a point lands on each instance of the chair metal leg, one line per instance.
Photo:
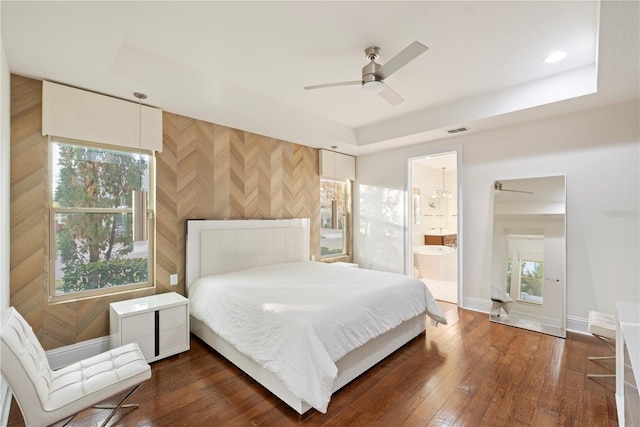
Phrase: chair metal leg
(69, 420)
(128, 405)
(601, 375)
(601, 357)
(119, 405)
(596, 359)
(113, 407)
(609, 342)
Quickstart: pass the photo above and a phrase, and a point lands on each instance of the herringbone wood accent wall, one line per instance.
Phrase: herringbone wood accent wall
(205, 171)
(211, 171)
(28, 202)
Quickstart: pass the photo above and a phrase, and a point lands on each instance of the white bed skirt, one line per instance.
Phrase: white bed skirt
(349, 366)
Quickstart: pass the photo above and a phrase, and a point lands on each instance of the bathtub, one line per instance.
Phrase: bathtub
(436, 262)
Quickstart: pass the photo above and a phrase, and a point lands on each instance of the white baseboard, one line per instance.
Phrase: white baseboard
(574, 323)
(578, 324)
(476, 304)
(551, 321)
(63, 356)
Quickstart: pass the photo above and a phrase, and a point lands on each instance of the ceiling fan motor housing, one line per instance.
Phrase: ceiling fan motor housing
(369, 71)
(372, 52)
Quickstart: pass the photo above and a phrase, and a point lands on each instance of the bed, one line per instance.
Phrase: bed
(302, 329)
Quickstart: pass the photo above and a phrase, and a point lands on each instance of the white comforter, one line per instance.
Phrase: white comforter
(297, 319)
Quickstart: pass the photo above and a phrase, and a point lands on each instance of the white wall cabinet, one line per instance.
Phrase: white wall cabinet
(159, 324)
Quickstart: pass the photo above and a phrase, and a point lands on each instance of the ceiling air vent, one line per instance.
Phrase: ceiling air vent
(462, 129)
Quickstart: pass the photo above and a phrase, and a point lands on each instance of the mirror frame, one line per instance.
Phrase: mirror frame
(529, 215)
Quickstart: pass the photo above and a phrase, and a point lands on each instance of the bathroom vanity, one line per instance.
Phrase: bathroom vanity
(441, 239)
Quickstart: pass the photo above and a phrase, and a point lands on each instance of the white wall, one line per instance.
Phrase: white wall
(379, 211)
(597, 150)
(5, 118)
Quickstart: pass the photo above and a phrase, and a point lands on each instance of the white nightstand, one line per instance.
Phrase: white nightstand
(158, 323)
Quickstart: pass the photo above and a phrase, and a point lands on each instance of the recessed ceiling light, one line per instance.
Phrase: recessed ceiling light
(555, 57)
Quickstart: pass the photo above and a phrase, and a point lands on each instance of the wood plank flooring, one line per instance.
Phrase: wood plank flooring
(469, 373)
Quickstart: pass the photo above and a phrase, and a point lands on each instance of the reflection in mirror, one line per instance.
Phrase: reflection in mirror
(528, 254)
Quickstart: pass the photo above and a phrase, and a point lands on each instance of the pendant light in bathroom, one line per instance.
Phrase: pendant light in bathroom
(442, 194)
(139, 197)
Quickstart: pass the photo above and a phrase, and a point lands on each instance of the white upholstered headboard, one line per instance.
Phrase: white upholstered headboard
(221, 246)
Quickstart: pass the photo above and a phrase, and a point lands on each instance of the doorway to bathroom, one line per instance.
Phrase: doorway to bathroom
(433, 250)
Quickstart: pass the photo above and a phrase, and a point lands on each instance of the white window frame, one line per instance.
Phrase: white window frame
(346, 218)
(53, 210)
(516, 274)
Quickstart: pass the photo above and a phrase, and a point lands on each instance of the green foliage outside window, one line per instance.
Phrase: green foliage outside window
(91, 208)
(333, 239)
(104, 274)
(531, 277)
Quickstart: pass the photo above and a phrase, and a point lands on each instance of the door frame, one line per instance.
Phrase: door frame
(408, 251)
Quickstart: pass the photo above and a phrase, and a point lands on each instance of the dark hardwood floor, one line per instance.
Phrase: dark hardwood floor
(468, 373)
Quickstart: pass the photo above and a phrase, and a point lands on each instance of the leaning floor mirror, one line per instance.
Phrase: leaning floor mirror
(528, 288)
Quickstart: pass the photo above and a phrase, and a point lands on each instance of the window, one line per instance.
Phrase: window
(528, 275)
(334, 203)
(531, 277)
(92, 248)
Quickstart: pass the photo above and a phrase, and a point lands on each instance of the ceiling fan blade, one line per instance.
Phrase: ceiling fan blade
(497, 185)
(401, 59)
(390, 95)
(517, 191)
(354, 82)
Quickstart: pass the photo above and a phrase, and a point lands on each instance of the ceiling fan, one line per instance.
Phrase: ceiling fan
(374, 74)
(497, 185)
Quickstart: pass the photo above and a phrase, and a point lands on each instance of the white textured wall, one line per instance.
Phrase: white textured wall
(597, 150)
(379, 211)
(5, 118)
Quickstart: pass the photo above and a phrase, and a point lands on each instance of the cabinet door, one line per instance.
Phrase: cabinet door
(433, 240)
(140, 328)
(173, 339)
(173, 329)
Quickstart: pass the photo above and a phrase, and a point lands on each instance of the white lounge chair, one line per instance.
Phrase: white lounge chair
(46, 396)
(500, 300)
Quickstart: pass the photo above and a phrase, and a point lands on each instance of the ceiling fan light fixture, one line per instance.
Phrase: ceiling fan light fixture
(373, 86)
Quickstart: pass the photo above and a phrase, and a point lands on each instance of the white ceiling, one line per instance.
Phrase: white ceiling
(244, 64)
